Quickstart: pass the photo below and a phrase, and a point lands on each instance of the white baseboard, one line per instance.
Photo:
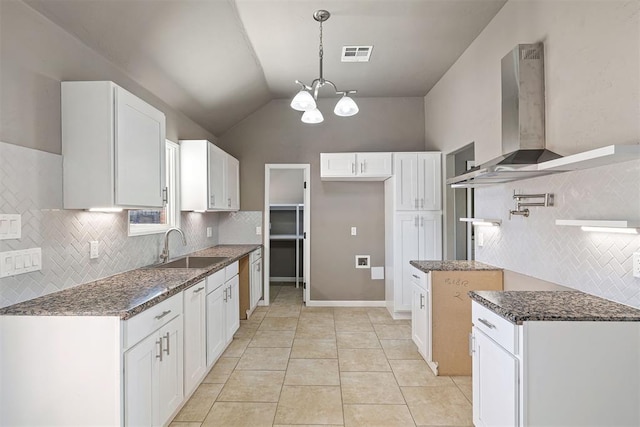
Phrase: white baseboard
(346, 303)
(284, 279)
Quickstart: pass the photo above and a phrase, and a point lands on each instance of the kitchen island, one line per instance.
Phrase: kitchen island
(441, 310)
(554, 358)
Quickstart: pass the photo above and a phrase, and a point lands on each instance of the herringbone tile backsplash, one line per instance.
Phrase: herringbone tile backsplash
(31, 184)
(596, 263)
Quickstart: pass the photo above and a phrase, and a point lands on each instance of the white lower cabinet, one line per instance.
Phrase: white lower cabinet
(223, 310)
(554, 373)
(420, 327)
(153, 373)
(195, 336)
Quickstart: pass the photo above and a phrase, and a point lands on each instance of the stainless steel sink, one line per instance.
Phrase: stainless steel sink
(192, 262)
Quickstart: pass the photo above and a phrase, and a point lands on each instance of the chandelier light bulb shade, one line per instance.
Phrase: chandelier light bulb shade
(303, 101)
(306, 99)
(312, 116)
(346, 107)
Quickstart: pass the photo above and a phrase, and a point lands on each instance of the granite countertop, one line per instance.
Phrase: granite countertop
(428, 266)
(129, 293)
(523, 306)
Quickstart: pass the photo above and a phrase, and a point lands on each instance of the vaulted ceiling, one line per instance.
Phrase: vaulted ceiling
(218, 61)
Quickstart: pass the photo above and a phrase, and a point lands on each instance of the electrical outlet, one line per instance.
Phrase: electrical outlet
(258, 230)
(94, 249)
(636, 264)
(354, 231)
(480, 237)
(209, 231)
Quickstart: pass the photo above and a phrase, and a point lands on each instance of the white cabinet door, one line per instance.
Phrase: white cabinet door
(233, 183)
(139, 152)
(195, 336)
(216, 323)
(430, 227)
(374, 164)
(407, 249)
(337, 164)
(170, 382)
(233, 306)
(495, 383)
(141, 382)
(429, 177)
(406, 172)
(217, 176)
(419, 331)
(256, 282)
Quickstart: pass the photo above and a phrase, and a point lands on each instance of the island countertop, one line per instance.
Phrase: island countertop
(460, 265)
(126, 294)
(523, 306)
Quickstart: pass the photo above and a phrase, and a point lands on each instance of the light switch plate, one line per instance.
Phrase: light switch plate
(18, 262)
(258, 231)
(480, 239)
(636, 264)
(94, 249)
(10, 226)
(354, 231)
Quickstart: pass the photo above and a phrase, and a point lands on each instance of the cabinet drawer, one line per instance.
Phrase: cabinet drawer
(150, 320)
(216, 280)
(497, 328)
(230, 271)
(419, 278)
(255, 255)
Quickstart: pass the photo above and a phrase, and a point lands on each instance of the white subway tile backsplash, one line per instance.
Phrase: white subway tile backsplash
(596, 263)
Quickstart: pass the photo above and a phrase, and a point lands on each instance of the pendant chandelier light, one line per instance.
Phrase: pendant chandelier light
(306, 99)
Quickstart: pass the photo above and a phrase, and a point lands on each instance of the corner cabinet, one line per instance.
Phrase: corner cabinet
(209, 178)
(113, 148)
(355, 166)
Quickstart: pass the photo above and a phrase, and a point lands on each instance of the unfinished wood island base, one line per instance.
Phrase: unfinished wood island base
(441, 310)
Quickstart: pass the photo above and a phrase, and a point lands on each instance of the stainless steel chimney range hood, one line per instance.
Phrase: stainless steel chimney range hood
(523, 128)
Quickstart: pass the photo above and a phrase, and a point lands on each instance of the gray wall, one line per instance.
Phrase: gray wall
(35, 56)
(592, 99)
(274, 134)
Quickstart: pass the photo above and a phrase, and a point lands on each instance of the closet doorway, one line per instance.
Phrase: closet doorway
(287, 225)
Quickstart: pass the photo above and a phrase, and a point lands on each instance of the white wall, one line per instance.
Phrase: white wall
(592, 74)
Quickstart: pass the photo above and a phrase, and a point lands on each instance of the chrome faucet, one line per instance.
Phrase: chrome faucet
(164, 256)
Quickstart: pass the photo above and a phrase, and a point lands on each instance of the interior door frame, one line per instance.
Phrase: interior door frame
(306, 260)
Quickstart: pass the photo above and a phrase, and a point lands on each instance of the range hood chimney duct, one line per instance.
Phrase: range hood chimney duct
(523, 121)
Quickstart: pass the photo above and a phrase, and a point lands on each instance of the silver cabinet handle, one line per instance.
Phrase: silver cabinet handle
(230, 295)
(487, 323)
(421, 301)
(417, 277)
(200, 289)
(353, 168)
(225, 295)
(258, 267)
(416, 203)
(421, 221)
(229, 202)
(362, 167)
(416, 221)
(159, 355)
(165, 195)
(471, 350)
(166, 336)
(422, 203)
(213, 199)
(164, 313)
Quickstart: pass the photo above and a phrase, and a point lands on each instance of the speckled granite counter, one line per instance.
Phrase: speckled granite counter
(127, 294)
(427, 266)
(522, 306)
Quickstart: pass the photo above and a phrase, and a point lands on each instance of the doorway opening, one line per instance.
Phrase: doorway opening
(459, 236)
(287, 225)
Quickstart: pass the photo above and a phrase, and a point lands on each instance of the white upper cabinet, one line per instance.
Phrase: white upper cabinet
(355, 166)
(418, 177)
(209, 178)
(113, 147)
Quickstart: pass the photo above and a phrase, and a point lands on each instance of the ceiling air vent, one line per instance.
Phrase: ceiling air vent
(356, 53)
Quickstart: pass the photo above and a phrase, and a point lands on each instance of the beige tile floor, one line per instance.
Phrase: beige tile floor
(295, 365)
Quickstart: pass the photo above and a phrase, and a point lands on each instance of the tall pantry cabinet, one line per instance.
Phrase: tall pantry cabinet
(413, 223)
